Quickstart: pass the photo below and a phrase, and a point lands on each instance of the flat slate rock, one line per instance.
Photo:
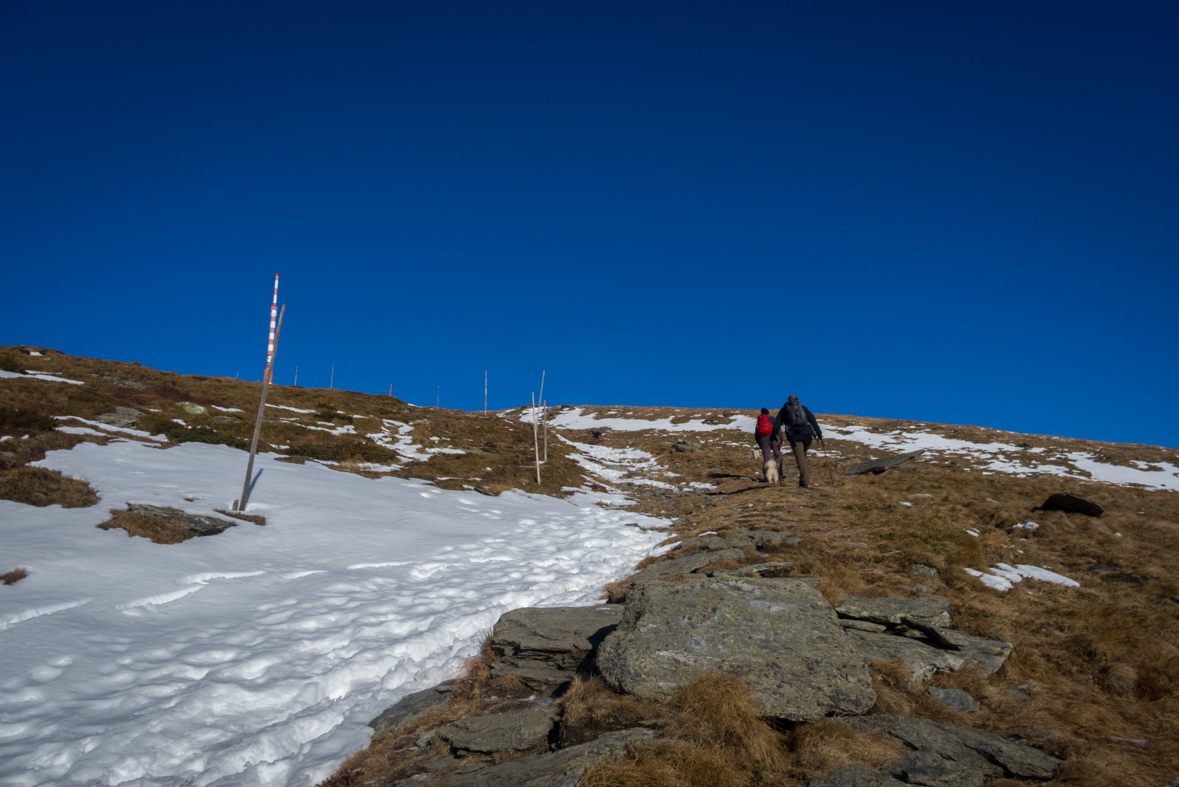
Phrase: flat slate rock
(972, 750)
(780, 635)
(855, 777)
(685, 565)
(923, 660)
(932, 770)
(412, 706)
(1071, 504)
(756, 570)
(890, 611)
(512, 731)
(549, 645)
(562, 768)
(198, 525)
(878, 466)
(986, 655)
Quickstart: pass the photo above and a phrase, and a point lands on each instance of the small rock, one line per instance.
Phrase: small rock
(192, 409)
(863, 625)
(929, 769)
(687, 446)
(955, 699)
(562, 768)
(512, 731)
(855, 776)
(920, 496)
(927, 572)
(921, 590)
(972, 750)
(1017, 695)
(123, 417)
(685, 565)
(196, 524)
(412, 706)
(1071, 504)
(923, 660)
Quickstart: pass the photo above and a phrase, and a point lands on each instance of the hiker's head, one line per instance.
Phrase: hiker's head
(792, 399)
(764, 411)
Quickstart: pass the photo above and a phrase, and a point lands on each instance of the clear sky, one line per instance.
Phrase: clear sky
(953, 212)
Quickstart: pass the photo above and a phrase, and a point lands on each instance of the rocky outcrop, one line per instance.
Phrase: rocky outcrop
(562, 768)
(878, 466)
(194, 523)
(549, 646)
(412, 706)
(1071, 504)
(743, 539)
(774, 568)
(963, 749)
(779, 634)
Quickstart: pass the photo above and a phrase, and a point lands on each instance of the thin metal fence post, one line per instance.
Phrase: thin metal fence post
(245, 498)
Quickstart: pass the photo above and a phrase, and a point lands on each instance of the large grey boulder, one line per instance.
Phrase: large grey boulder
(194, 523)
(854, 777)
(412, 706)
(878, 466)
(890, 611)
(972, 750)
(922, 659)
(563, 768)
(547, 646)
(512, 731)
(685, 565)
(780, 635)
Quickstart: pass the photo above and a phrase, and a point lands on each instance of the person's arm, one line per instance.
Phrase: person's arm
(814, 423)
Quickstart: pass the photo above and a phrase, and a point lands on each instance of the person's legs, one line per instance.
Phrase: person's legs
(804, 469)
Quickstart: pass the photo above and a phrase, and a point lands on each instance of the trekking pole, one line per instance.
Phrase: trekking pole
(823, 443)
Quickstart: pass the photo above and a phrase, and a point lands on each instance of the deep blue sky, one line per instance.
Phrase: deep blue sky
(927, 210)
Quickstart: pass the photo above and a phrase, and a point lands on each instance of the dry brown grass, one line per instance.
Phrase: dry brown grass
(257, 519)
(14, 576)
(36, 486)
(157, 529)
(827, 745)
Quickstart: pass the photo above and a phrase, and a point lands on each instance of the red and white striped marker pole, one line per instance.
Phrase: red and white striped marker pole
(273, 317)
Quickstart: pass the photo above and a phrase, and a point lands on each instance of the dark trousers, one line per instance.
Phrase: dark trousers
(770, 449)
(799, 445)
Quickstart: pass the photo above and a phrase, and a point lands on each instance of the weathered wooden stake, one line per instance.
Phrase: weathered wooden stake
(296, 375)
(485, 392)
(245, 498)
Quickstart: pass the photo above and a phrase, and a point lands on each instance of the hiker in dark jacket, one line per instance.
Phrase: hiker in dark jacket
(769, 440)
(800, 428)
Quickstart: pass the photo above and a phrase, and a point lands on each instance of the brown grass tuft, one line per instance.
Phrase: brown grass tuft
(37, 486)
(14, 576)
(827, 745)
(154, 528)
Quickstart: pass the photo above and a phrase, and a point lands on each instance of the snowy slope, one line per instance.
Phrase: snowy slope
(256, 656)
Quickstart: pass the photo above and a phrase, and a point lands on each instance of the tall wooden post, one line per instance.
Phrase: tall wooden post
(535, 439)
(245, 498)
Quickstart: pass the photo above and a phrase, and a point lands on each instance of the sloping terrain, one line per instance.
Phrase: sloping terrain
(1094, 665)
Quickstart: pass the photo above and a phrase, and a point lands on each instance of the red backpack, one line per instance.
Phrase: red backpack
(764, 425)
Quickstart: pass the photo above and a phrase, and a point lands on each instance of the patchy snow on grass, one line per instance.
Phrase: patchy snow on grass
(1004, 577)
(256, 657)
(1000, 457)
(33, 375)
(577, 419)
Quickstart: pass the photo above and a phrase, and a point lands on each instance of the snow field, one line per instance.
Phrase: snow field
(257, 656)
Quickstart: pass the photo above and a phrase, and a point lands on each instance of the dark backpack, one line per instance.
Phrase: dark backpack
(796, 420)
(764, 425)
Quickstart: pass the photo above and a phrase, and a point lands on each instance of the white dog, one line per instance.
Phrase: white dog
(771, 470)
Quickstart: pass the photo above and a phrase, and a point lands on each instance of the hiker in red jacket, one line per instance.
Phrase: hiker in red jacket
(770, 443)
